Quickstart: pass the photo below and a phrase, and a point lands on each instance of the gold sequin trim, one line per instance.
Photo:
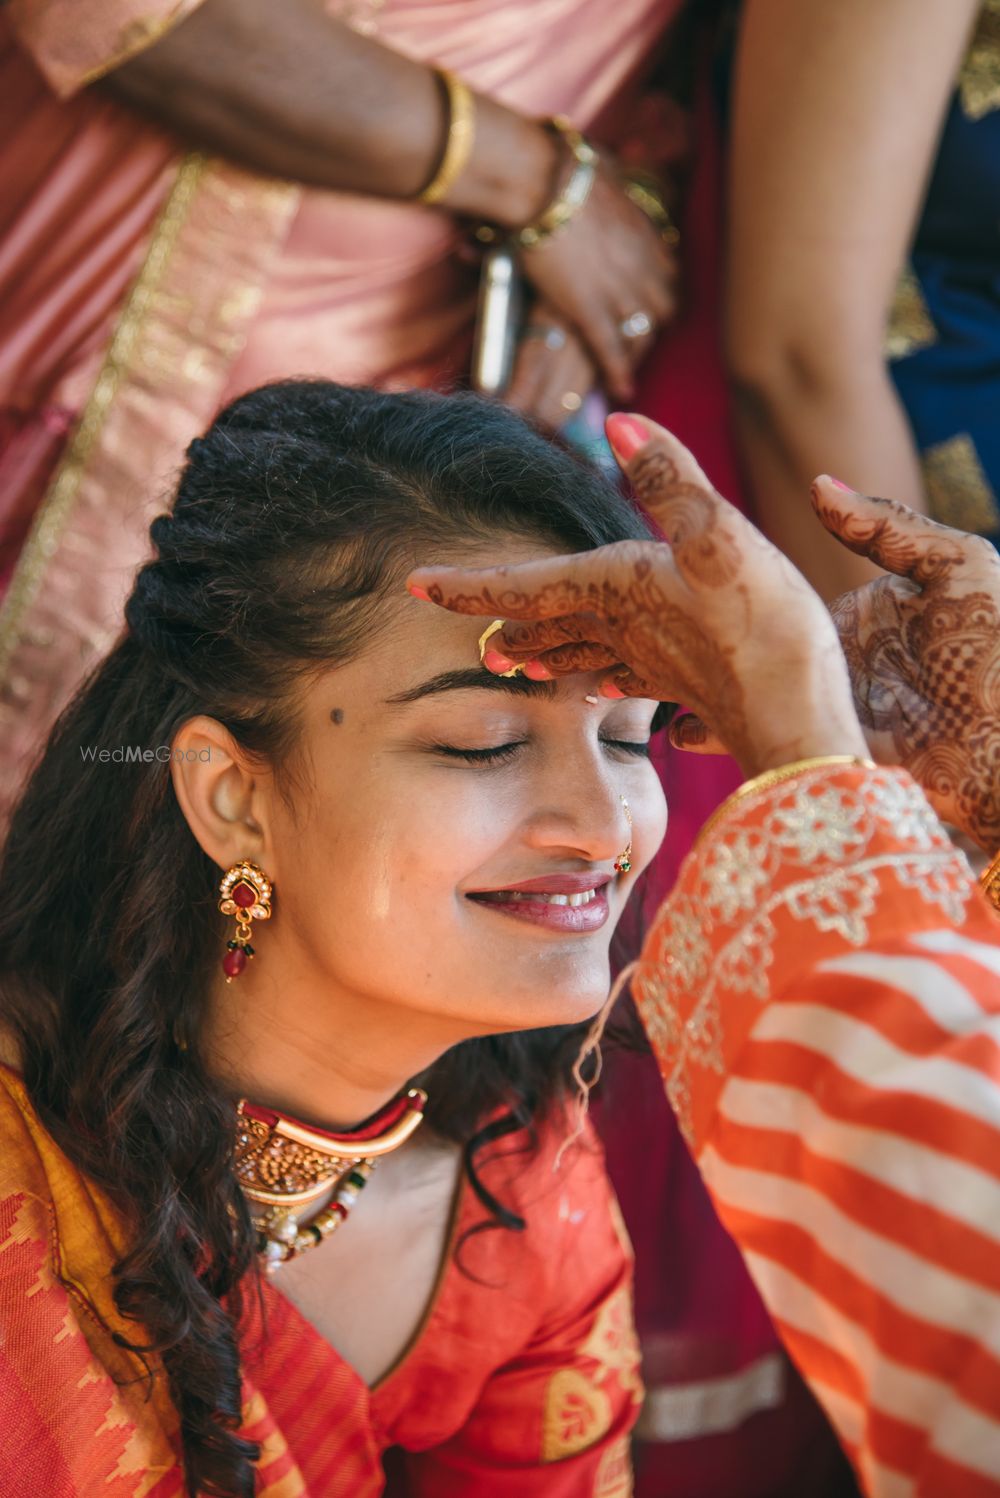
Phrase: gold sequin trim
(910, 326)
(979, 80)
(958, 491)
(56, 509)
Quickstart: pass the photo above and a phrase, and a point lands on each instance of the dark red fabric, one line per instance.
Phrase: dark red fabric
(699, 1315)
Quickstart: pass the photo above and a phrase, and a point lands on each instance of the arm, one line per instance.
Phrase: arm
(830, 1038)
(837, 113)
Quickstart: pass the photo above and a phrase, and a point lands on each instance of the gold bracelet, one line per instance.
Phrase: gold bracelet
(646, 192)
(458, 141)
(566, 204)
(771, 778)
(989, 879)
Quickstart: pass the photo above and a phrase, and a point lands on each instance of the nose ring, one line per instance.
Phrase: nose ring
(623, 863)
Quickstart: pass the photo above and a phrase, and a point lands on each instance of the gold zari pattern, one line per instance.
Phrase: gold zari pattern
(979, 80)
(814, 856)
(958, 491)
(910, 326)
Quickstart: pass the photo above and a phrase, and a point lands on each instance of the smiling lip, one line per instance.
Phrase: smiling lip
(545, 901)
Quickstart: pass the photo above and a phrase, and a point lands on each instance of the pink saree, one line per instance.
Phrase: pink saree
(142, 287)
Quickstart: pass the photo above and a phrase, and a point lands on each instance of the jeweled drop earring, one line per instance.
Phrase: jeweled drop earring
(623, 862)
(245, 892)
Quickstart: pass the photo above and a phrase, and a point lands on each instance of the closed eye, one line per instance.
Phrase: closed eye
(638, 748)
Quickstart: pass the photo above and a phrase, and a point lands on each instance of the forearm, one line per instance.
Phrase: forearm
(796, 421)
(290, 92)
(829, 1039)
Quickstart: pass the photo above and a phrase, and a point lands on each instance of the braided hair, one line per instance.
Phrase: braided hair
(296, 514)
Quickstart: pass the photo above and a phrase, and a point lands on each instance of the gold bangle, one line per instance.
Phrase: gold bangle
(645, 191)
(774, 777)
(458, 141)
(566, 204)
(989, 880)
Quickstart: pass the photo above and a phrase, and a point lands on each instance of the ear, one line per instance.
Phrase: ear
(219, 792)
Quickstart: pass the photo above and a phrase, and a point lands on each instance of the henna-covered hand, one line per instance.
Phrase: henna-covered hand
(923, 649)
(715, 617)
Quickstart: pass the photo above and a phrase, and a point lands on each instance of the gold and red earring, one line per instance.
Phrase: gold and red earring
(245, 892)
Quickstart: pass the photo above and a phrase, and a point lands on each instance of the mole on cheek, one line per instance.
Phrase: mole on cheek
(336, 715)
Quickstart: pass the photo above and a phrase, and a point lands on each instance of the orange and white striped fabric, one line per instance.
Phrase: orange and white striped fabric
(822, 989)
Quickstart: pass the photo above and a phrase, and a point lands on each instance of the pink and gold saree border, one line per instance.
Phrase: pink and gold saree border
(183, 323)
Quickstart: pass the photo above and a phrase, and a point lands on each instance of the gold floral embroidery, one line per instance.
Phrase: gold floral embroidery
(576, 1415)
(613, 1344)
(958, 490)
(614, 1473)
(910, 327)
(979, 80)
(810, 859)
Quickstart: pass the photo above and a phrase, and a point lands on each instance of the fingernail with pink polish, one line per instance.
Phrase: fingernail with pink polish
(417, 592)
(535, 671)
(610, 689)
(626, 434)
(838, 485)
(497, 663)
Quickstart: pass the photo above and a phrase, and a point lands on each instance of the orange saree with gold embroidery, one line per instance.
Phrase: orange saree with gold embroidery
(521, 1380)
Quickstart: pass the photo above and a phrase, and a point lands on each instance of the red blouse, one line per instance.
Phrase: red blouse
(522, 1379)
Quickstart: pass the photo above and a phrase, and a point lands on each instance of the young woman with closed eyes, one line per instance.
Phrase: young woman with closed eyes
(426, 863)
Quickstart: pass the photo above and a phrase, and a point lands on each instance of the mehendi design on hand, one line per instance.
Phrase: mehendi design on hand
(923, 650)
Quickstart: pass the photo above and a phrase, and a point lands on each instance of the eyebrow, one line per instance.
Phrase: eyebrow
(475, 676)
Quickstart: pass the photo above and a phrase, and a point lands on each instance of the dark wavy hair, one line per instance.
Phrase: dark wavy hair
(297, 513)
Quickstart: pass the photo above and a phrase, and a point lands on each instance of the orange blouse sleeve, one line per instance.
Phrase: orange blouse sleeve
(822, 989)
(554, 1421)
(75, 42)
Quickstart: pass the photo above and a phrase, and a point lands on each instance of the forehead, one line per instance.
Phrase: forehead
(416, 641)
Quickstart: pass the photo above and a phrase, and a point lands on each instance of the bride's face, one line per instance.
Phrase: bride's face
(441, 842)
(450, 839)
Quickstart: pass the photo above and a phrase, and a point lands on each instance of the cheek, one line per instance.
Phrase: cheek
(391, 855)
(649, 816)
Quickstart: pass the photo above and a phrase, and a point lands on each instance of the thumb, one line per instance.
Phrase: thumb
(886, 531)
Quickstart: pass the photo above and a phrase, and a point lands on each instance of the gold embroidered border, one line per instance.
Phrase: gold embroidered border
(979, 80)
(56, 509)
(958, 489)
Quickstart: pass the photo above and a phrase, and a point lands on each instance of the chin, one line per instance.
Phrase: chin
(542, 1008)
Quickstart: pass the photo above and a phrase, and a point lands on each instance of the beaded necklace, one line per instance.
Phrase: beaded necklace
(284, 1166)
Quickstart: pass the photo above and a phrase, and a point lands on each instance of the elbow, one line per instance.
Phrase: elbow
(778, 372)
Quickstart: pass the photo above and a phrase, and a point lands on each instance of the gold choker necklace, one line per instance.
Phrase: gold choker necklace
(284, 1166)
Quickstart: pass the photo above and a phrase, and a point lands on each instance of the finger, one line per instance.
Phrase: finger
(603, 336)
(624, 682)
(589, 582)
(571, 660)
(522, 640)
(889, 533)
(565, 384)
(707, 534)
(689, 732)
(529, 368)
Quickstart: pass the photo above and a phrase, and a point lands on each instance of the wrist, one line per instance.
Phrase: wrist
(825, 744)
(514, 171)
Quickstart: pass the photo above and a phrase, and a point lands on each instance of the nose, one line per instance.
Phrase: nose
(581, 811)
